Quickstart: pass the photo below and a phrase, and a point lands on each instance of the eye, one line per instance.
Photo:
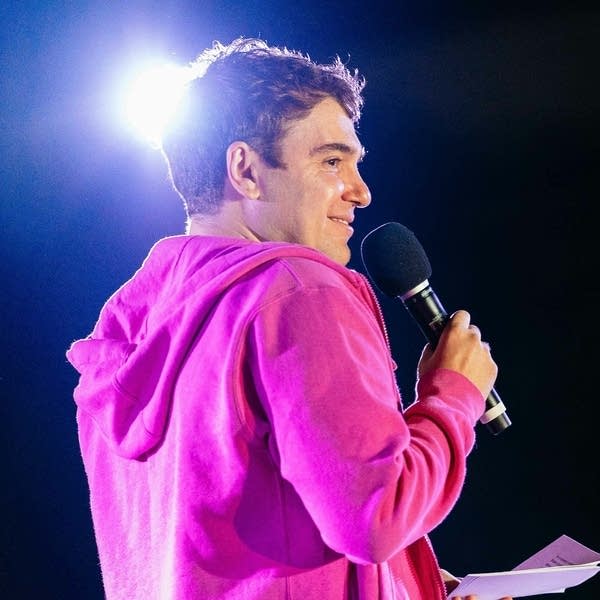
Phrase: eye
(333, 162)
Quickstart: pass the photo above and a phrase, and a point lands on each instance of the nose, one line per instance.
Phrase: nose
(357, 191)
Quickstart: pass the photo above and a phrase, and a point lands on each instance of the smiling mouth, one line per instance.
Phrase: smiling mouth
(342, 221)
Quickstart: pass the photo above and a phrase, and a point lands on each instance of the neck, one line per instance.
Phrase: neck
(225, 223)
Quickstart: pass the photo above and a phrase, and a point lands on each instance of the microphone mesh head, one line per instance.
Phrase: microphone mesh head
(394, 259)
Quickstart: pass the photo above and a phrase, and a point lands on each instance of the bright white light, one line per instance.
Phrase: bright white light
(153, 98)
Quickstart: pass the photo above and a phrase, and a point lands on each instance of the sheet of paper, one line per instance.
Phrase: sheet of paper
(562, 564)
(562, 551)
(491, 586)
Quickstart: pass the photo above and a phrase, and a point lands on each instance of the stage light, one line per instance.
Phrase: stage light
(153, 97)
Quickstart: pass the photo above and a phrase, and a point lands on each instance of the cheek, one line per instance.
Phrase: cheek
(329, 189)
(331, 185)
(318, 195)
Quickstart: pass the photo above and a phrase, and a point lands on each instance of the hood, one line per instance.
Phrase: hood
(128, 365)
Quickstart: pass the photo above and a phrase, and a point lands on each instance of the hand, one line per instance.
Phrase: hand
(452, 582)
(460, 349)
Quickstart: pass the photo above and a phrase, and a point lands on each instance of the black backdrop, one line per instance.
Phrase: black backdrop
(482, 127)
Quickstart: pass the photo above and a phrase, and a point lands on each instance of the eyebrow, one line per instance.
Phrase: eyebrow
(339, 147)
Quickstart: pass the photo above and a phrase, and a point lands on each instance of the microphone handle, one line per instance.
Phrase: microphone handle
(430, 315)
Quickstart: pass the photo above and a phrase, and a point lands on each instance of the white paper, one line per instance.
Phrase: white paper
(562, 551)
(562, 564)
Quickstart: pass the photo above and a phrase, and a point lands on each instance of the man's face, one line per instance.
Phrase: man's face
(311, 200)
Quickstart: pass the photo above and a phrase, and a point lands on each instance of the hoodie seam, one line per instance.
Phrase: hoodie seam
(239, 343)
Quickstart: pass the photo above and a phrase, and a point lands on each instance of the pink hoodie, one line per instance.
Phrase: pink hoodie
(239, 425)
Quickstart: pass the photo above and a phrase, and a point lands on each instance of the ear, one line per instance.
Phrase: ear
(242, 169)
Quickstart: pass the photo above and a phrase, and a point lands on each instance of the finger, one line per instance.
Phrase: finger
(475, 330)
(461, 318)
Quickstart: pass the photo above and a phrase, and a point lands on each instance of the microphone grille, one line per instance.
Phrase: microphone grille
(394, 259)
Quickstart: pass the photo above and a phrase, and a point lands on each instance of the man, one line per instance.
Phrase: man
(237, 406)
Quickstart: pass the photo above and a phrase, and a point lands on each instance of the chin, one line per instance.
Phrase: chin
(338, 255)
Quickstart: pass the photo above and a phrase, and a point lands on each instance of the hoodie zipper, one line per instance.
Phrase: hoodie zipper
(438, 576)
(378, 311)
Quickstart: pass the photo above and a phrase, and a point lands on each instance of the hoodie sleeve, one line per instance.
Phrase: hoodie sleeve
(373, 479)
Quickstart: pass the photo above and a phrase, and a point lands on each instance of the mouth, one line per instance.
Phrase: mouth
(345, 222)
(342, 220)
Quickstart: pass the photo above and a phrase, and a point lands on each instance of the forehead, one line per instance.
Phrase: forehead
(326, 127)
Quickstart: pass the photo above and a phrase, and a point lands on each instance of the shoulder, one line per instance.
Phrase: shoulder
(302, 270)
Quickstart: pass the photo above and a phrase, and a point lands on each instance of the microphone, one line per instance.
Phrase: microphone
(397, 264)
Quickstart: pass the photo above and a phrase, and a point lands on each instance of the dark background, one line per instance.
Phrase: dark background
(482, 123)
